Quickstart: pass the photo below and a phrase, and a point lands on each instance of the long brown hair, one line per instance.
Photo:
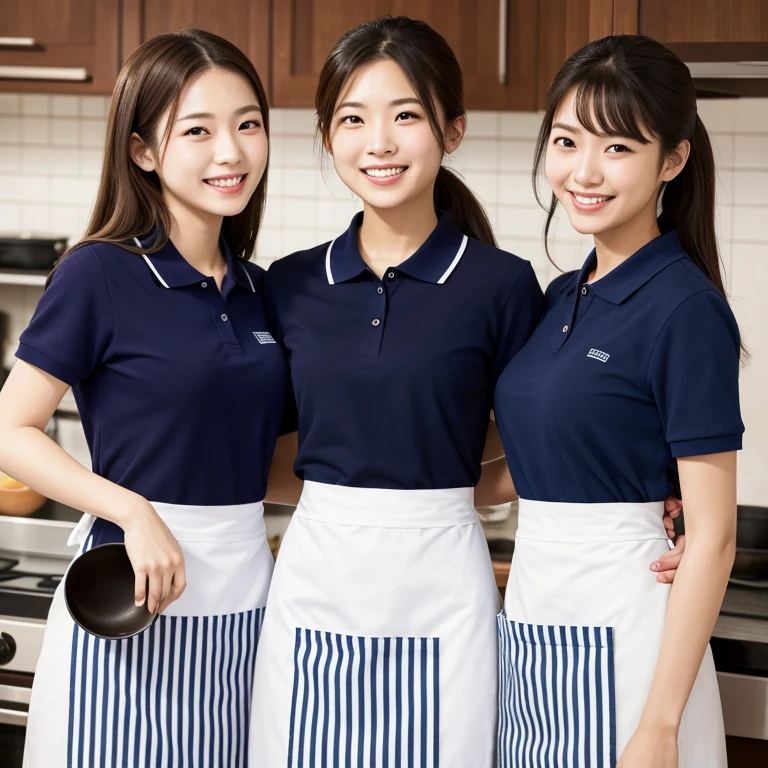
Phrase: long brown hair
(129, 202)
(621, 84)
(432, 69)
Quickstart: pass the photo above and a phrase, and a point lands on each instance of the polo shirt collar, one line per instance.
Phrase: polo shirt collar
(173, 271)
(620, 283)
(433, 262)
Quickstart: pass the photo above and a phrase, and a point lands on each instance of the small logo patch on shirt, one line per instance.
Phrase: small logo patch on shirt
(264, 337)
(596, 354)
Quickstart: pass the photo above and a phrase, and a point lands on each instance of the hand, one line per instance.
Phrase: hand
(155, 555)
(650, 748)
(666, 566)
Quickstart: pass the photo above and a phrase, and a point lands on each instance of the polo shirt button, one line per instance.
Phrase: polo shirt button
(584, 290)
(203, 284)
(224, 318)
(565, 329)
(375, 321)
(379, 290)
(391, 275)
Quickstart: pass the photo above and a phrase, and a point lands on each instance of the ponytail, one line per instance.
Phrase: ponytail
(688, 205)
(466, 211)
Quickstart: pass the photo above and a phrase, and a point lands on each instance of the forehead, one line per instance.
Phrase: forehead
(217, 91)
(376, 83)
(603, 114)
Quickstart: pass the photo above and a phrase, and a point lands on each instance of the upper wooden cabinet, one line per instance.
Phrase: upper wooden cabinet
(494, 40)
(59, 45)
(246, 23)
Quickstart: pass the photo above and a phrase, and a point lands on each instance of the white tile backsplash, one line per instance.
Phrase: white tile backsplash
(50, 161)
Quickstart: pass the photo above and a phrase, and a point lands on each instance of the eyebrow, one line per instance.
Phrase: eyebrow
(211, 116)
(395, 103)
(565, 127)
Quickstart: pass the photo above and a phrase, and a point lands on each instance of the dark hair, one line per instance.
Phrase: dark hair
(622, 84)
(129, 201)
(432, 69)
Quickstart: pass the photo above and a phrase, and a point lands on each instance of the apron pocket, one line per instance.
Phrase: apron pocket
(556, 696)
(360, 701)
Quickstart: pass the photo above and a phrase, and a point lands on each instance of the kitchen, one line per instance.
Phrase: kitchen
(51, 134)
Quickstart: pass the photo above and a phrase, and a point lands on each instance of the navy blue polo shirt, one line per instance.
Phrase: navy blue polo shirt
(623, 376)
(180, 387)
(393, 378)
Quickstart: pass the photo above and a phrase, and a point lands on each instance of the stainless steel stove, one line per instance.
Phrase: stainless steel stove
(33, 559)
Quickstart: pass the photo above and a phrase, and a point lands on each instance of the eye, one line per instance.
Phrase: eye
(617, 148)
(407, 116)
(351, 120)
(196, 131)
(249, 125)
(564, 141)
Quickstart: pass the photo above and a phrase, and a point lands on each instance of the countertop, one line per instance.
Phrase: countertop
(740, 638)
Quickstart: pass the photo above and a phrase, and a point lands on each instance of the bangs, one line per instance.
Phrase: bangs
(606, 106)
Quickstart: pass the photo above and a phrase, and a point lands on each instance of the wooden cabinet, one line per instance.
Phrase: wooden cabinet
(59, 45)
(494, 40)
(246, 23)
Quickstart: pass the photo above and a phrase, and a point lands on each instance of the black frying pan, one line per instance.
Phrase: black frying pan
(99, 592)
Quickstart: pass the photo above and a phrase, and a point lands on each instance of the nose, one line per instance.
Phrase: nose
(380, 141)
(588, 172)
(227, 150)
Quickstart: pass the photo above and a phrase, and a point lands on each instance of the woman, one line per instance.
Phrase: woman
(629, 383)
(379, 643)
(156, 320)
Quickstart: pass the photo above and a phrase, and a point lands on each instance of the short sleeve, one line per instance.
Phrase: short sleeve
(694, 374)
(72, 329)
(290, 419)
(522, 313)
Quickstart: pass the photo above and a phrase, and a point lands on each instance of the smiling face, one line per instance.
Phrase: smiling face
(606, 183)
(217, 149)
(383, 146)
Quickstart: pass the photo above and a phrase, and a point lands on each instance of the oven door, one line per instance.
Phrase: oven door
(15, 690)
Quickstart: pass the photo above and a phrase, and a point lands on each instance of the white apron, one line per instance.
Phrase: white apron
(379, 644)
(178, 694)
(580, 636)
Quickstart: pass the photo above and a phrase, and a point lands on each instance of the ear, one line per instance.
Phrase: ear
(675, 161)
(142, 154)
(454, 134)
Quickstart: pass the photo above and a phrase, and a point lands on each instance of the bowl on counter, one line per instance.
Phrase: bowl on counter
(17, 499)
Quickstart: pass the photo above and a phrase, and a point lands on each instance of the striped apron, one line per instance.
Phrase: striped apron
(579, 638)
(379, 646)
(179, 693)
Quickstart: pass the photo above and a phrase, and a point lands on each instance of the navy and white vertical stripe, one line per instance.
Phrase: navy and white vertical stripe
(556, 696)
(177, 692)
(364, 701)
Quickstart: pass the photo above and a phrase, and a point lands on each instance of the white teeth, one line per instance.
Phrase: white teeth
(224, 182)
(381, 173)
(590, 200)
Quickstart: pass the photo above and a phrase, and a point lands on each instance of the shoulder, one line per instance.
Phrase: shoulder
(298, 263)
(92, 263)
(499, 267)
(683, 290)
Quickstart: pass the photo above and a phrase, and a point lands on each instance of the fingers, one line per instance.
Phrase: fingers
(673, 506)
(669, 524)
(666, 566)
(177, 587)
(140, 588)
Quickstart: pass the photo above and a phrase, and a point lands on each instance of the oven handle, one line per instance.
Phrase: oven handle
(14, 694)
(13, 717)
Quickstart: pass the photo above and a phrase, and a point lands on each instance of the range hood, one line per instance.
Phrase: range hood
(726, 70)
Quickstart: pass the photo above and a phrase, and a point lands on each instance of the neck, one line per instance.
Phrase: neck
(616, 245)
(195, 234)
(388, 236)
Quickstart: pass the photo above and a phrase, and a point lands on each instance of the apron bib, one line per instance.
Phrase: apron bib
(178, 694)
(379, 646)
(580, 635)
